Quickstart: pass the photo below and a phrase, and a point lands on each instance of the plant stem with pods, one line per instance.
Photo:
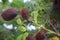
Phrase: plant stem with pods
(56, 33)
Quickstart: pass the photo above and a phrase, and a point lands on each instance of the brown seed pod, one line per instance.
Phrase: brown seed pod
(24, 13)
(53, 22)
(41, 35)
(9, 14)
(31, 37)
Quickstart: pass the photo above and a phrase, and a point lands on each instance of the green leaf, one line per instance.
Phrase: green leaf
(18, 21)
(17, 4)
(22, 29)
(34, 15)
(19, 37)
(24, 36)
(4, 1)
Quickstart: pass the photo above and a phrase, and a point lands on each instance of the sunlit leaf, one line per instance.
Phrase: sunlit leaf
(19, 21)
(22, 29)
(25, 35)
(19, 37)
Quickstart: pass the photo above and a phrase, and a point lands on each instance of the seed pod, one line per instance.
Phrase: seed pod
(53, 22)
(41, 35)
(9, 14)
(24, 13)
(31, 37)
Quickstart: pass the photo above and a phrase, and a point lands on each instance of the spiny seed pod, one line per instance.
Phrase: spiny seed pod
(24, 13)
(9, 14)
(41, 35)
(31, 37)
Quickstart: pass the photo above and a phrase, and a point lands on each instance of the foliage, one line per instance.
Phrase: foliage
(39, 18)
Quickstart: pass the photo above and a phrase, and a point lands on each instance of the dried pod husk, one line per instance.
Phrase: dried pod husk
(9, 14)
(41, 35)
